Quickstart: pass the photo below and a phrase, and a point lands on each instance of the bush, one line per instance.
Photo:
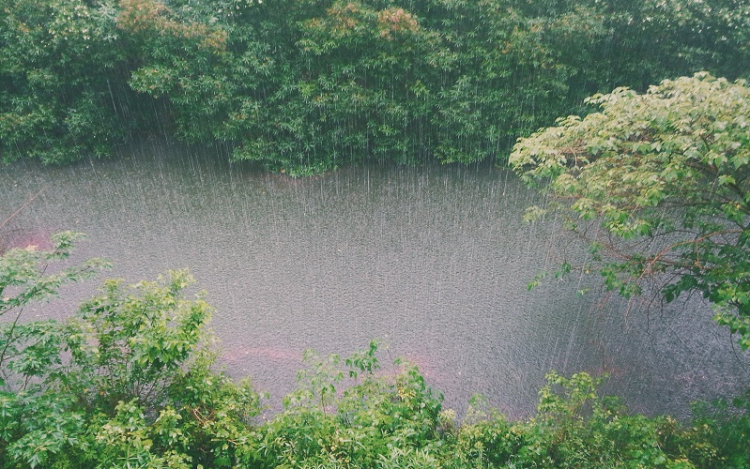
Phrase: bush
(128, 381)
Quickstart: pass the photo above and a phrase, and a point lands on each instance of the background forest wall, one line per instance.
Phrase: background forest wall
(303, 86)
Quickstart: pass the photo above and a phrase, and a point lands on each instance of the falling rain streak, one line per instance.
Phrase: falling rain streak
(434, 261)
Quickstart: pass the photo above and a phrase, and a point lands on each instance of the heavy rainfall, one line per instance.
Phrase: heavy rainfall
(434, 261)
(374, 234)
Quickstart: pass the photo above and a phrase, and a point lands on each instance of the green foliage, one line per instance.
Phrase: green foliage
(660, 185)
(306, 86)
(60, 65)
(368, 421)
(128, 347)
(30, 349)
(484, 439)
(576, 428)
(128, 382)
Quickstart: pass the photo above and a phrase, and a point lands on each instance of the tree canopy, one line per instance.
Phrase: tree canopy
(306, 86)
(659, 184)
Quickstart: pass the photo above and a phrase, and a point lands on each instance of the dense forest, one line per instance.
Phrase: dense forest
(303, 86)
(653, 171)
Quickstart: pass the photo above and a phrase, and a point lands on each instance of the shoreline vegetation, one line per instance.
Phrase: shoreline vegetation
(130, 381)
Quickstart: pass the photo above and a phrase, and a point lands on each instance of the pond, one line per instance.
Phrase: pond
(433, 261)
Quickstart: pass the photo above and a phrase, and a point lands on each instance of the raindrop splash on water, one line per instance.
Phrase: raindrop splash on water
(434, 260)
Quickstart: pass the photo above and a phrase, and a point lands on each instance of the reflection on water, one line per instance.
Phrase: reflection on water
(433, 261)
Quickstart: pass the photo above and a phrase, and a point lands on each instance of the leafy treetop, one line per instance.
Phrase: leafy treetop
(659, 184)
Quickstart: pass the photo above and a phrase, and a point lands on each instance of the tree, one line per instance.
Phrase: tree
(126, 382)
(24, 279)
(659, 185)
(61, 65)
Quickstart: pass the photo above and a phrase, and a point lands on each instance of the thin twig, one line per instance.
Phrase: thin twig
(22, 207)
(9, 339)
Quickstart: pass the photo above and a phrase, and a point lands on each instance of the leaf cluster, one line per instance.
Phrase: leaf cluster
(659, 184)
(126, 382)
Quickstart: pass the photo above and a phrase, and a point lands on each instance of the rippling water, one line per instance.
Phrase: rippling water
(434, 261)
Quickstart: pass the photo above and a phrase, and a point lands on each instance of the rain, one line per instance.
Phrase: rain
(433, 261)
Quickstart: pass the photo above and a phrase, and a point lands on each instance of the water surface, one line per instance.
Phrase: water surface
(434, 261)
